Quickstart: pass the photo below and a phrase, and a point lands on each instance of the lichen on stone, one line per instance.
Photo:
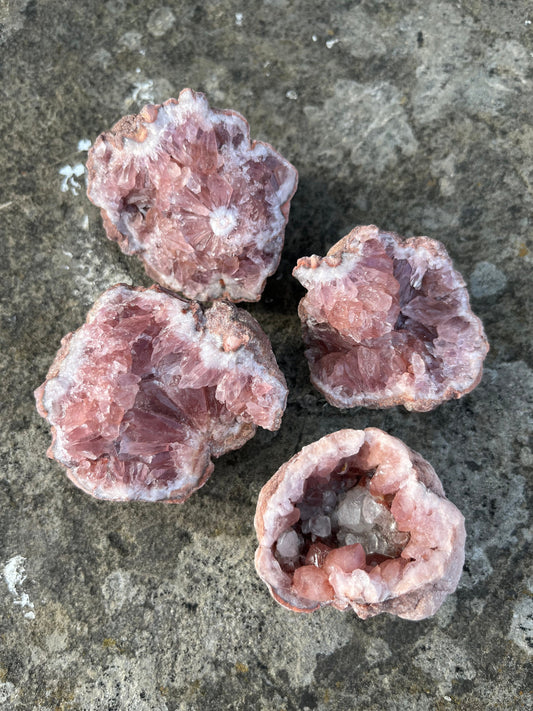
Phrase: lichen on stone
(151, 387)
(181, 186)
(387, 322)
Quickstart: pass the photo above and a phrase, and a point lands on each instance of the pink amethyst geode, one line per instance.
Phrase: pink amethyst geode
(151, 387)
(181, 186)
(387, 322)
(357, 519)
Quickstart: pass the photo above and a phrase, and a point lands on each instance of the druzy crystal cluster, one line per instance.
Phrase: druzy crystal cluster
(358, 520)
(154, 385)
(151, 387)
(388, 322)
(181, 186)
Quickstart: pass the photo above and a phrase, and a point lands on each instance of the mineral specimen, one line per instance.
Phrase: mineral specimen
(151, 387)
(388, 322)
(181, 186)
(357, 519)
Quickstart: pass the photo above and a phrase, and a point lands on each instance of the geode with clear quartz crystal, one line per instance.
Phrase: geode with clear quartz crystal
(357, 519)
(388, 322)
(151, 387)
(181, 186)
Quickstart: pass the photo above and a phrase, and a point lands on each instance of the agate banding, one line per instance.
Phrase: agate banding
(151, 387)
(387, 321)
(358, 520)
(181, 186)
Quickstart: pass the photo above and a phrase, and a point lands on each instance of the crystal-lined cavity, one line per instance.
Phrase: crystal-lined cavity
(388, 322)
(151, 387)
(181, 186)
(359, 520)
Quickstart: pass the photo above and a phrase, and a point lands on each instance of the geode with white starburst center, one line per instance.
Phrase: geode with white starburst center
(151, 387)
(181, 186)
(387, 321)
(358, 520)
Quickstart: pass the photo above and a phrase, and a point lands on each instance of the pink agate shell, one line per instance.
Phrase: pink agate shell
(357, 519)
(388, 322)
(181, 186)
(151, 387)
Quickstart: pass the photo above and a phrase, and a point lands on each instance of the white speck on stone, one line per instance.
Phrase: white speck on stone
(84, 144)
(314, 38)
(160, 21)
(131, 41)
(70, 174)
(527, 22)
(14, 575)
(331, 43)
(291, 94)
(118, 590)
(8, 692)
(143, 91)
(238, 19)
(447, 698)
(521, 631)
(376, 651)
(85, 222)
(487, 280)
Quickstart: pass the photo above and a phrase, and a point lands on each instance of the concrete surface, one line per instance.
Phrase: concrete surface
(413, 115)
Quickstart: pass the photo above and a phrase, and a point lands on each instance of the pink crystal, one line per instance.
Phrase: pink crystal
(410, 548)
(151, 387)
(388, 322)
(181, 186)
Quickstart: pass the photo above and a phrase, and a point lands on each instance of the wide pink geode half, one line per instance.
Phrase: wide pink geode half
(387, 321)
(358, 520)
(181, 186)
(151, 387)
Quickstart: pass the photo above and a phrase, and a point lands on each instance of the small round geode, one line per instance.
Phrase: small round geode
(393, 544)
(387, 321)
(151, 387)
(181, 186)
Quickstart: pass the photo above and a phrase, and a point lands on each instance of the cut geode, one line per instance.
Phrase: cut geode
(181, 186)
(357, 519)
(151, 387)
(387, 322)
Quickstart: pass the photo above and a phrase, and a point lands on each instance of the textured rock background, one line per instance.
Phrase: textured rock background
(415, 116)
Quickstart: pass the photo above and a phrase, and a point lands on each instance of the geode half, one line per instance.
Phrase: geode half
(357, 519)
(151, 387)
(387, 322)
(181, 186)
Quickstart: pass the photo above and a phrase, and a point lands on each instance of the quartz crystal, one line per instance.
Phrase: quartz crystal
(181, 186)
(393, 544)
(387, 321)
(151, 387)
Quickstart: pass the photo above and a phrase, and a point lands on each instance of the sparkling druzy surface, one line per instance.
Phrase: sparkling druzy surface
(387, 321)
(357, 519)
(181, 186)
(151, 387)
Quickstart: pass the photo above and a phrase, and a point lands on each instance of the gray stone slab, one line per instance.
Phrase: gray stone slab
(415, 116)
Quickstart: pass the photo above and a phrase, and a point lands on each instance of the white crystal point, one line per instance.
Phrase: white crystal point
(288, 544)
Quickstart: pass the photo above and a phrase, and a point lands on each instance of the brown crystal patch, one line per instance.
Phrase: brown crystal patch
(388, 322)
(359, 520)
(151, 387)
(181, 186)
